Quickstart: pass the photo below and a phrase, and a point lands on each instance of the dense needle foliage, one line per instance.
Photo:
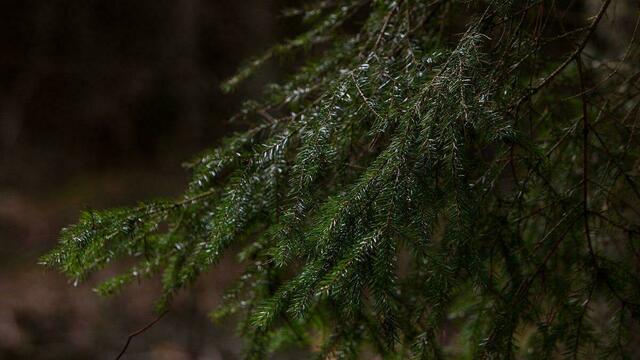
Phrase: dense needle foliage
(441, 178)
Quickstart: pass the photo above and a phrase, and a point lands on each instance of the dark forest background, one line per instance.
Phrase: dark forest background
(100, 103)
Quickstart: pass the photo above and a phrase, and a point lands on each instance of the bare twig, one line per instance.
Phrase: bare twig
(136, 333)
(575, 54)
(585, 164)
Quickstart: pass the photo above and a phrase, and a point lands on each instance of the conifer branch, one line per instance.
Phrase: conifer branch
(395, 186)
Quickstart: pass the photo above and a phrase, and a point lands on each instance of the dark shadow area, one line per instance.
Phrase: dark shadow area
(100, 103)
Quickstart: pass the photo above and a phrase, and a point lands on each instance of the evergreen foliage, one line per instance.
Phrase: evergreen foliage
(441, 178)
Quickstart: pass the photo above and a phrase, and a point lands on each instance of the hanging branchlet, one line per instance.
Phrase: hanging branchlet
(439, 179)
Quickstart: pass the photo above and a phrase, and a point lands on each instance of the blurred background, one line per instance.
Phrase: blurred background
(100, 103)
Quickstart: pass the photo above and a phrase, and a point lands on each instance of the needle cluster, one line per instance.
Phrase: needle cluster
(440, 179)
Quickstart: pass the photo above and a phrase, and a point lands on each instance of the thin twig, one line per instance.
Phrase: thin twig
(366, 101)
(136, 333)
(575, 54)
(384, 27)
(585, 164)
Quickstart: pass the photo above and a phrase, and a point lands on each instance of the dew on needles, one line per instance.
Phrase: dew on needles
(439, 179)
